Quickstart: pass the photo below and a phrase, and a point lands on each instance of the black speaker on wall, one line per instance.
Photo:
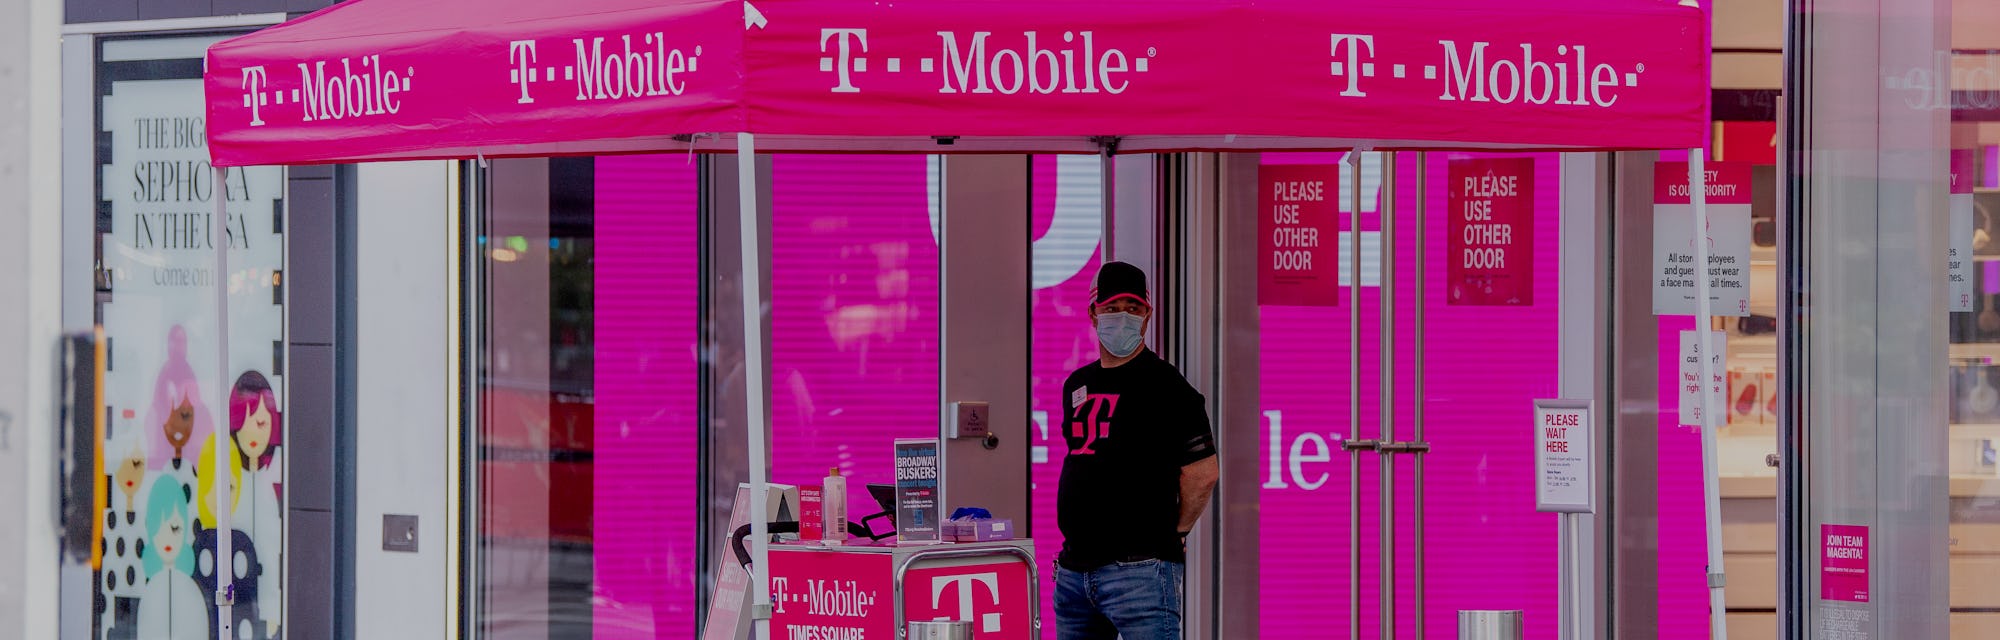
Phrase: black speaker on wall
(80, 429)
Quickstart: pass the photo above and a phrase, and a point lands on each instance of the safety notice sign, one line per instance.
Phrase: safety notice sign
(1674, 270)
(1690, 376)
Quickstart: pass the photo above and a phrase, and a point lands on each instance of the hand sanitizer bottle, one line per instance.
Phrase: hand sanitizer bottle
(833, 509)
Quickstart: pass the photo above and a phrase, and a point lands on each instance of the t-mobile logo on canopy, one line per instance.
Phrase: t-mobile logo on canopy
(1532, 81)
(1350, 65)
(254, 82)
(350, 91)
(981, 64)
(1468, 74)
(597, 72)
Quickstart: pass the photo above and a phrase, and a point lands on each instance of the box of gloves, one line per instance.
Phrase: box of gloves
(972, 524)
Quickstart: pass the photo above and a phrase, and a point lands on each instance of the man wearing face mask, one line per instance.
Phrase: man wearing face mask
(1140, 469)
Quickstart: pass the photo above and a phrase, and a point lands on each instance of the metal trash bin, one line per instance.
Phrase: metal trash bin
(940, 630)
(1489, 625)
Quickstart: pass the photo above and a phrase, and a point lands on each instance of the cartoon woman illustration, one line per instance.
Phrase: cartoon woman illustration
(120, 582)
(171, 471)
(179, 425)
(205, 486)
(130, 472)
(171, 607)
(256, 427)
(179, 414)
(245, 621)
(246, 568)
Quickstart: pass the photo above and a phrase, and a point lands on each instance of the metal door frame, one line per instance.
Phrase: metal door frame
(1217, 331)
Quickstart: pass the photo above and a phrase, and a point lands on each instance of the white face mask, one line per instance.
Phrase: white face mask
(1121, 333)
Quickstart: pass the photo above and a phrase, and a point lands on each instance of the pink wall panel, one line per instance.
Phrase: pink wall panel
(646, 454)
(854, 317)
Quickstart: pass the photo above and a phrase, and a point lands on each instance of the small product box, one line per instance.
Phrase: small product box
(1769, 413)
(810, 500)
(1746, 401)
(995, 529)
(978, 529)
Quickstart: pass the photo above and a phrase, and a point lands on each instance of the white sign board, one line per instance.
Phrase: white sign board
(1674, 269)
(1565, 480)
(1959, 258)
(728, 619)
(1690, 374)
(165, 393)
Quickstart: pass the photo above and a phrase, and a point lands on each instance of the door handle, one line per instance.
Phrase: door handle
(1393, 448)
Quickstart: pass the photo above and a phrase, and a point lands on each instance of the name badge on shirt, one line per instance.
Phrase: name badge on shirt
(1076, 397)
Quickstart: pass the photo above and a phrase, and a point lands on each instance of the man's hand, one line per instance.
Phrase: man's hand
(1197, 484)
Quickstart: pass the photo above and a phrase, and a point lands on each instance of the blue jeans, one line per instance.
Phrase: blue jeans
(1136, 600)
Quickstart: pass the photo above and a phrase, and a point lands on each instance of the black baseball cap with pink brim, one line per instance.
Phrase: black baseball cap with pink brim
(1119, 281)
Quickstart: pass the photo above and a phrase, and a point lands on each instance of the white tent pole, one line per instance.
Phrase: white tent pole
(750, 250)
(225, 554)
(1711, 481)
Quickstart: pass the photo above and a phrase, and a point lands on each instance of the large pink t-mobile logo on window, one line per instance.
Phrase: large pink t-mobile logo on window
(1096, 411)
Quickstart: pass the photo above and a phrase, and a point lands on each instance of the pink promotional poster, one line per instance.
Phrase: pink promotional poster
(1962, 170)
(1491, 238)
(1962, 206)
(1843, 563)
(1298, 235)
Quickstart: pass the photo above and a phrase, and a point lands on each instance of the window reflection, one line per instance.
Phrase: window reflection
(587, 368)
(854, 320)
(1973, 446)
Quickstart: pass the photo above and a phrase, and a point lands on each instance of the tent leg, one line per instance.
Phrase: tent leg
(1107, 233)
(1711, 483)
(225, 555)
(753, 340)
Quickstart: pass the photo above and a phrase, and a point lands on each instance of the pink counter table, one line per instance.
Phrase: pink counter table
(872, 591)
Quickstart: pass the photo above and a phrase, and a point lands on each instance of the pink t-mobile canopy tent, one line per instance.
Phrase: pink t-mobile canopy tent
(410, 79)
(369, 80)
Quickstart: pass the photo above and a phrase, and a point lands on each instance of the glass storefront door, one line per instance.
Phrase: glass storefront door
(1342, 546)
(1396, 471)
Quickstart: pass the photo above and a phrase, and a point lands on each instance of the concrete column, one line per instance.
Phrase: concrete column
(31, 258)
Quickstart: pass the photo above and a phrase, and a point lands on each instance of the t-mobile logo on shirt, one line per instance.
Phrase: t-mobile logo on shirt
(1095, 410)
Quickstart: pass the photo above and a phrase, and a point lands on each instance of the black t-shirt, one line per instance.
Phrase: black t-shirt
(1130, 430)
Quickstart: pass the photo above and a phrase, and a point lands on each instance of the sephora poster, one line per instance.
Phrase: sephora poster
(164, 396)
